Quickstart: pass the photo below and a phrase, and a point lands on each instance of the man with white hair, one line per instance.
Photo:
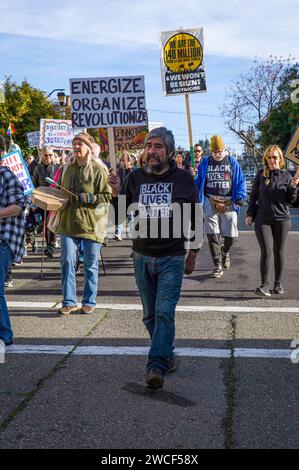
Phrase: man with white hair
(83, 220)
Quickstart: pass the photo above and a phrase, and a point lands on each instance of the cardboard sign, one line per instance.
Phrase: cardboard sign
(182, 65)
(108, 102)
(128, 138)
(15, 162)
(57, 133)
(125, 138)
(33, 139)
(292, 150)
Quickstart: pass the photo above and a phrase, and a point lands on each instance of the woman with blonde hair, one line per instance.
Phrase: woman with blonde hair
(273, 190)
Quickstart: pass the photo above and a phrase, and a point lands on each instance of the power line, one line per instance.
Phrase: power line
(180, 112)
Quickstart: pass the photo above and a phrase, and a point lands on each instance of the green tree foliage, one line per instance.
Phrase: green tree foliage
(24, 106)
(283, 119)
(260, 100)
(205, 145)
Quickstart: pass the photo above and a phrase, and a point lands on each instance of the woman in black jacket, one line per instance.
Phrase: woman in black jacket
(273, 191)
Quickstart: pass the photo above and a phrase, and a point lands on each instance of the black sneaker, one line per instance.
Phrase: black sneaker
(154, 379)
(278, 289)
(217, 272)
(171, 365)
(49, 251)
(225, 259)
(263, 291)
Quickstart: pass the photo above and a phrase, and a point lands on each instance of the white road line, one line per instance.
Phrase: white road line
(252, 232)
(180, 308)
(143, 351)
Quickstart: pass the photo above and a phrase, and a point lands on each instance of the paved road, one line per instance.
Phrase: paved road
(78, 381)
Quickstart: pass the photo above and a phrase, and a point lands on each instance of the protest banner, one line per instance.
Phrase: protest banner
(57, 133)
(125, 138)
(108, 102)
(128, 138)
(33, 139)
(15, 162)
(182, 67)
(292, 151)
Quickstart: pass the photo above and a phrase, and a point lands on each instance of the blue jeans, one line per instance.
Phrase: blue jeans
(91, 252)
(159, 282)
(6, 258)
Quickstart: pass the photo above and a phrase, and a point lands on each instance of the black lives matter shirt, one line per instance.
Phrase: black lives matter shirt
(219, 178)
(157, 201)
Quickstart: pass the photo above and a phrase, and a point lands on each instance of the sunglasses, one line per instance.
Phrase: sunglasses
(48, 154)
(273, 158)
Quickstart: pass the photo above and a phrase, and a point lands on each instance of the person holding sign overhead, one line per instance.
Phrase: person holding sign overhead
(273, 190)
(83, 220)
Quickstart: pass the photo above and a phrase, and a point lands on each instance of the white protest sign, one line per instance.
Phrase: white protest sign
(108, 102)
(33, 139)
(153, 125)
(15, 162)
(182, 65)
(57, 133)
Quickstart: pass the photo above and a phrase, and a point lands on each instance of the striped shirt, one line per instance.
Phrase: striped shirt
(12, 228)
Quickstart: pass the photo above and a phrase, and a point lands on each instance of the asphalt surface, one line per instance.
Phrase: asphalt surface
(65, 399)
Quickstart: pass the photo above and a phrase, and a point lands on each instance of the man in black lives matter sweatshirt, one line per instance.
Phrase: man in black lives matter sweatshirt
(168, 220)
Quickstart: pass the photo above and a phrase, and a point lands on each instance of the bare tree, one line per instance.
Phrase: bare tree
(253, 97)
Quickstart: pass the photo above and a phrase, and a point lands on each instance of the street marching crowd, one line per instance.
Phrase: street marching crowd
(168, 203)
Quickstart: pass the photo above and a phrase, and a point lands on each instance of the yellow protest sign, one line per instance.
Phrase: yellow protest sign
(183, 53)
(182, 65)
(292, 150)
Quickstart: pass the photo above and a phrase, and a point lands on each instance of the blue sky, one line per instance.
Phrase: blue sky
(51, 41)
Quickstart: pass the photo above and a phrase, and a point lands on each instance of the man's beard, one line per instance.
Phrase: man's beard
(156, 169)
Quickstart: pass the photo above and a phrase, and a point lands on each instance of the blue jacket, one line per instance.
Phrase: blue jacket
(238, 181)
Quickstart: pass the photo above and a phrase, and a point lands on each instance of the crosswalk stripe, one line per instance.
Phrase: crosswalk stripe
(253, 353)
(180, 308)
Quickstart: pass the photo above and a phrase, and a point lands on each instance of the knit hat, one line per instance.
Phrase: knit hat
(87, 139)
(216, 143)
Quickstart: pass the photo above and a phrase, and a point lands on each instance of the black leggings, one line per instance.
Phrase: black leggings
(265, 234)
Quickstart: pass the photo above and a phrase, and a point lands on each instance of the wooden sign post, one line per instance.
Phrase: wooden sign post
(190, 130)
(112, 158)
